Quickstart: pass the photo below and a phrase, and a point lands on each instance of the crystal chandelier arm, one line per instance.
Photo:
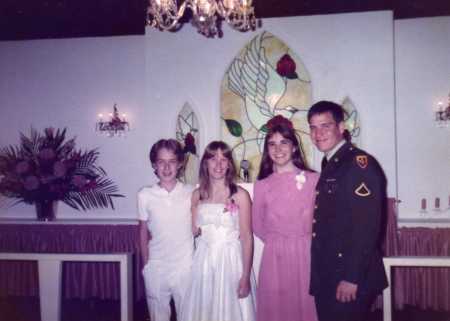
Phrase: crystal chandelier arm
(239, 14)
(165, 18)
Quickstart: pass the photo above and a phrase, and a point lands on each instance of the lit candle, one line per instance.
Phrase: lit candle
(437, 203)
(100, 116)
(423, 204)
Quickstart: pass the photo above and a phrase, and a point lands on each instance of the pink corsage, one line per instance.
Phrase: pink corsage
(231, 207)
(300, 179)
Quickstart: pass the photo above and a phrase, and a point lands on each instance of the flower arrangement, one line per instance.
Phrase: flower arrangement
(47, 167)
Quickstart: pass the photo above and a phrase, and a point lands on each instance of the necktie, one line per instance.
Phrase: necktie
(324, 162)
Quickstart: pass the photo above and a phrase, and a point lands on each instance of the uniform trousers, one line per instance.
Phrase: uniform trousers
(329, 309)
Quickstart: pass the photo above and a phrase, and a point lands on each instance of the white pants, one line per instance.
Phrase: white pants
(163, 282)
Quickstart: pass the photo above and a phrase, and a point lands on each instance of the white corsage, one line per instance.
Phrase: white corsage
(300, 179)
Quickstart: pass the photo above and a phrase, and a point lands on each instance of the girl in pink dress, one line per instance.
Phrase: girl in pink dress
(282, 218)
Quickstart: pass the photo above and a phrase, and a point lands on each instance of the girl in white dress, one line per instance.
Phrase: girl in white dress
(222, 284)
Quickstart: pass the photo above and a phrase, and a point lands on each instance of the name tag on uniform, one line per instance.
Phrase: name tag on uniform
(331, 185)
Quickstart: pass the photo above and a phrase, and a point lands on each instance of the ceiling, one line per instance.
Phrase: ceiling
(38, 19)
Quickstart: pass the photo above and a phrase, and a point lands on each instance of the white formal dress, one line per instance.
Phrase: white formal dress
(216, 270)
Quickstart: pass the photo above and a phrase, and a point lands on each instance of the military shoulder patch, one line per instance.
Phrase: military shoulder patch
(362, 161)
(362, 190)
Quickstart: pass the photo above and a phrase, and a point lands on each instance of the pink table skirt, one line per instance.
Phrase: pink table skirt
(79, 279)
(423, 287)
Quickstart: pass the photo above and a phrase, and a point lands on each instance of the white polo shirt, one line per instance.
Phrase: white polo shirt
(168, 216)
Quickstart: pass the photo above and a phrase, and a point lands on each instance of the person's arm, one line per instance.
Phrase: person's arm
(144, 235)
(143, 241)
(195, 199)
(366, 197)
(258, 210)
(246, 238)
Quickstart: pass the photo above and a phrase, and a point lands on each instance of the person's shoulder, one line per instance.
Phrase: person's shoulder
(187, 188)
(242, 195)
(261, 183)
(364, 162)
(195, 196)
(311, 176)
(145, 190)
(242, 191)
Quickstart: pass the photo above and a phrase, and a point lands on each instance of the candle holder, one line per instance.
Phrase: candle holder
(116, 126)
(423, 206)
(437, 204)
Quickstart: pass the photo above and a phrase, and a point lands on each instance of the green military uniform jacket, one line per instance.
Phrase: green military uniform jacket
(348, 215)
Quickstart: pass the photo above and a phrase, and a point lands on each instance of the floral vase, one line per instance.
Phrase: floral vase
(46, 210)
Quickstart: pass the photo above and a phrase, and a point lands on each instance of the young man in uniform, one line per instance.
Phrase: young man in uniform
(346, 264)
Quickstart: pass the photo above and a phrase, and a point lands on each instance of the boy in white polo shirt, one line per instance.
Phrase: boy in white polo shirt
(165, 231)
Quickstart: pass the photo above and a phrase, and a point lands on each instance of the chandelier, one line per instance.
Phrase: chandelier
(442, 114)
(116, 126)
(206, 14)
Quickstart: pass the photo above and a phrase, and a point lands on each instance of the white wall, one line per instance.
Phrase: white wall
(422, 54)
(346, 55)
(68, 82)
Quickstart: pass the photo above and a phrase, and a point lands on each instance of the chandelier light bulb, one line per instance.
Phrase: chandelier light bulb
(229, 4)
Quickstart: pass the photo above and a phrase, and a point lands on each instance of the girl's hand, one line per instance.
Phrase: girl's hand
(196, 231)
(244, 287)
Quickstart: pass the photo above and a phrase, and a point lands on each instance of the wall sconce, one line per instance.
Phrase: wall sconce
(442, 114)
(116, 126)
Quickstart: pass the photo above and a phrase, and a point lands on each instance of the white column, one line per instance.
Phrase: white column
(126, 290)
(50, 289)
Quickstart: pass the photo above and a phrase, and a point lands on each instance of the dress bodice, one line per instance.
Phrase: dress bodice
(216, 223)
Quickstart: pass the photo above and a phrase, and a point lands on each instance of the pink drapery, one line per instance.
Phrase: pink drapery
(423, 287)
(79, 280)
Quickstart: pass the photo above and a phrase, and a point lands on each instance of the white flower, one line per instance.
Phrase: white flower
(300, 179)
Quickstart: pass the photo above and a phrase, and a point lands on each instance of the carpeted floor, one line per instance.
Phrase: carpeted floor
(27, 309)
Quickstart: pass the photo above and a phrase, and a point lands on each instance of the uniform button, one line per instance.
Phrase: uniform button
(314, 235)
(317, 192)
(336, 160)
(339, 254)
(314, 221)
(316, 206)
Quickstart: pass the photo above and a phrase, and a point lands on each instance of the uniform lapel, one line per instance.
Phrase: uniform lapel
(335, 160)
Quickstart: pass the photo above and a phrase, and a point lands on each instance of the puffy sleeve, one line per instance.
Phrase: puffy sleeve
(259, 210)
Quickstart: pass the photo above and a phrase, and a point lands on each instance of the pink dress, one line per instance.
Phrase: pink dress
(282, 219)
